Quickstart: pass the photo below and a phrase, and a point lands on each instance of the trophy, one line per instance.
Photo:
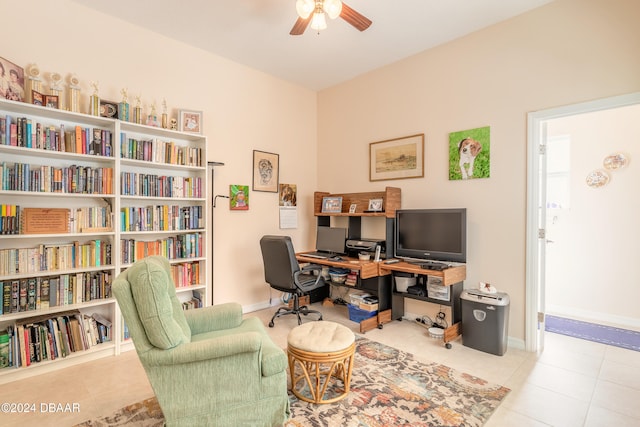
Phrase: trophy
(164, 113)
(56, 88)
(34, 82)
(74, 94)
(152, 118)
(123, 111)
(137, 111)
(94, 101)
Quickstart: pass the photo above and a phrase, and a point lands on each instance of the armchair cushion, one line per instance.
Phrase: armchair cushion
(152, 289)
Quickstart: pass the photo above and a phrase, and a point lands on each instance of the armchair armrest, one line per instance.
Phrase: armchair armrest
(198, 351)
(214, 318)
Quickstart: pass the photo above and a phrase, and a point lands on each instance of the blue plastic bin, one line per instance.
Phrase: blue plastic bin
(357, 314)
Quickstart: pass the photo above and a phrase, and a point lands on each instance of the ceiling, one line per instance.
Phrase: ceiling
(256, 32)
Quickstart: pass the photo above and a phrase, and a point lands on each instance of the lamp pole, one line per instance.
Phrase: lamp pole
(211, 166)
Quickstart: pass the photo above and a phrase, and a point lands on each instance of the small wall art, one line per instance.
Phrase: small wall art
(239, 197)
(288, 195)
(469, 154)
(266, 169)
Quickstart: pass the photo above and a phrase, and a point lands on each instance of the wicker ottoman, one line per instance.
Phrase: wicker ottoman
(320, 361)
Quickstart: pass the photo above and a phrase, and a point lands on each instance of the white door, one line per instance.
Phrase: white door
(540, 225)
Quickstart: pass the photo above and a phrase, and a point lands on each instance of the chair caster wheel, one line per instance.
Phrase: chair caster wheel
(380, 326)
(271, 324)
(448, 345)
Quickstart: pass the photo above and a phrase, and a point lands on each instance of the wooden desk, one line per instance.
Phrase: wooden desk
(369, 280)
(452, 277)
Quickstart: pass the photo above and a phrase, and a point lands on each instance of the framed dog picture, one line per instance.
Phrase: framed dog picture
(469, 154)
(397, 158)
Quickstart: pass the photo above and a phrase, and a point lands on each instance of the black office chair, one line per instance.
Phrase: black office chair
(282, 272)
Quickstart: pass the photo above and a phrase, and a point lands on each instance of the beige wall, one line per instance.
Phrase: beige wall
(566, 52)
(243, 110)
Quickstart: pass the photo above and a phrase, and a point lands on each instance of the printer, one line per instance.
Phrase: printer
(354, 246)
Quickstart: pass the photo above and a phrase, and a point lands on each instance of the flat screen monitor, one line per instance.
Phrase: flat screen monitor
(431, 234)
(331, 239)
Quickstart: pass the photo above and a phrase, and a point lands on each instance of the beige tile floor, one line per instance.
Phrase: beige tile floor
(572, 383)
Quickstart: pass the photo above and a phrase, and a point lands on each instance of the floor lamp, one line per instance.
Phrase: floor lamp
(212, 165)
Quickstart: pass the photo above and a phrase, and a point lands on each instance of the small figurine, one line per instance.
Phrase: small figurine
(174, 124)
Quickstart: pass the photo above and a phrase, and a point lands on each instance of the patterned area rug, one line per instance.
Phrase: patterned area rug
(388, 388)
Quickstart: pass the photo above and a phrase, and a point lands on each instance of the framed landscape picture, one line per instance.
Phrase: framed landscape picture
(397, 158)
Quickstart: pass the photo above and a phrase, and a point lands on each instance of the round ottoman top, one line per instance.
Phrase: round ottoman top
(320, 337)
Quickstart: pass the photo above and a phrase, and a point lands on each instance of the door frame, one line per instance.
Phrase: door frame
(536, 124)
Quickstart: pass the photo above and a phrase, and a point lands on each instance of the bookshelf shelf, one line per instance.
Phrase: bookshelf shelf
(56, 142)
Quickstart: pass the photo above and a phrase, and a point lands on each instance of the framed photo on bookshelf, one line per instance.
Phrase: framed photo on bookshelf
(190, 121)
(12, 77)
(37, 98)
(266, 170)
(51, 101)
(109, 109)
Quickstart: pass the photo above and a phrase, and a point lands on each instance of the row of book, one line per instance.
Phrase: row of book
(41, 293)
(185, 274)
(49, 179)
(157, 151)
(188, 245)
(150, 185)
(194, 302)
(161, 218)
(23, 132)
(13, 218)
(52, 337)
(50, 257)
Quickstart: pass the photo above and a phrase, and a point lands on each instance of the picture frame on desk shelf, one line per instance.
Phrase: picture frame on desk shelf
(51, 101)
(109, 109)
(352, 208)
(398, 158)
(375, 205)
(37, 98)
(11, 81)
(331, 204)
(190, 121)
(266, 171)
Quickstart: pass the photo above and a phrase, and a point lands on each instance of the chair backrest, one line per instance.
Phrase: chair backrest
(280, 262)
(147, 298)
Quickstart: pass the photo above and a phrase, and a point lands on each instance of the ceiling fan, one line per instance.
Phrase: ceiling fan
(312, 11)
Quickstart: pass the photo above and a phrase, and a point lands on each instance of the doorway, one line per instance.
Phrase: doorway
(547, 209)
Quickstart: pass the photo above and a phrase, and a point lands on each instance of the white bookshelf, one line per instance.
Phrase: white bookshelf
(170, 240)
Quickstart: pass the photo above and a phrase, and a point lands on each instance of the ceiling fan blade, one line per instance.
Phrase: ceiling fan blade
(354, 18)
(300, 25)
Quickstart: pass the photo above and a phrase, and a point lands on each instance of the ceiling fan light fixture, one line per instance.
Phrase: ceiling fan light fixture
(318, 22)
(333, 8)
(305, 7)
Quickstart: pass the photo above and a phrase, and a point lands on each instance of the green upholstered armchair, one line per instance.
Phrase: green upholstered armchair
(206, 366)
